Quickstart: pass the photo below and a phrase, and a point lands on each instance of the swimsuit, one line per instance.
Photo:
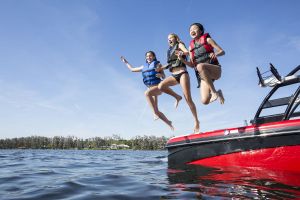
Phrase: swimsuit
(178, 76)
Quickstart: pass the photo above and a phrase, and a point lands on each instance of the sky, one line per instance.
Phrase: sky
(61, 74)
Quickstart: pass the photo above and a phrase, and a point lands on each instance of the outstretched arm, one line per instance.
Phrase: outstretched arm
(133, 69)
(160, 69)
(163, 67)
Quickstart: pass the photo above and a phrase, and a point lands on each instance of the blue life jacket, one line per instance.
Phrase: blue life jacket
(149, 74)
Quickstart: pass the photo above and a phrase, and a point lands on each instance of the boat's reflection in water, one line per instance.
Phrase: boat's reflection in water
(197, 181)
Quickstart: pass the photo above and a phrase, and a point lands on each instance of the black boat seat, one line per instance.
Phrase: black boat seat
(272, 118)
(277, 102)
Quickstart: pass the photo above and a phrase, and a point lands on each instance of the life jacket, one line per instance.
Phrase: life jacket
(149, 74)
(172, 59)
(200, 50)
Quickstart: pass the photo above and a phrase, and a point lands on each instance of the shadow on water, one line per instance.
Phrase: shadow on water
(233, 182)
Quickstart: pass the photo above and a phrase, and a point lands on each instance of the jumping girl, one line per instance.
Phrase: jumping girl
(152, 75)
(179, 75)
(203, 52)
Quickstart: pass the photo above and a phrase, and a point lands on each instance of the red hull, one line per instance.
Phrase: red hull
(281, 158)
(274, 146)
(281, 165)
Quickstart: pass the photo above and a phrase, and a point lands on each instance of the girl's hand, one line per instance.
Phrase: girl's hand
(180, 57)
(159, 75)
(159, 69)
(124, 60)
(212, 56)
(179, 54)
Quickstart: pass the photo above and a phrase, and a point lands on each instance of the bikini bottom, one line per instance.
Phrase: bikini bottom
(178, 76)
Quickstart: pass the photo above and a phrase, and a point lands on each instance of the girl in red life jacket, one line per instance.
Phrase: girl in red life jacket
(152, 77)
(203, 52)
(179, 76)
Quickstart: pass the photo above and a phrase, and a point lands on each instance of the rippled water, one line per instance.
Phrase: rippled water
(71, 174)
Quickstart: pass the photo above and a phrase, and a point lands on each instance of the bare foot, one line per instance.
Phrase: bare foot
(177, 101)
(197, 127)
(171, 126)
(221, 97)
(213, 97)
(217, 95)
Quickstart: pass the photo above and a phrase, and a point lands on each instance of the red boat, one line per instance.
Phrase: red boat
(272, 141)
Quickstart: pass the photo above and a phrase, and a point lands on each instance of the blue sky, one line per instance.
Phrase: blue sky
(61, 73)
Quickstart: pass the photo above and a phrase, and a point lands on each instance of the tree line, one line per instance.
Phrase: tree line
(72, 142)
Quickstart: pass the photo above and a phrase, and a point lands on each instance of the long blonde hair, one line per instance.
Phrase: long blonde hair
(176, 36)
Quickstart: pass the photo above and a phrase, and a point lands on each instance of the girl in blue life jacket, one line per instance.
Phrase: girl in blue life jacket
(203, 52)
(152, 75)
(179, 75)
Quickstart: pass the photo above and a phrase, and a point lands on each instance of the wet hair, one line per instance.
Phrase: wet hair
(153, 54)
(200, 26)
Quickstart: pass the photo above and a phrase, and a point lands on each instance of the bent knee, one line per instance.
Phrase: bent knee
(161, 86)
(146, 93)
(205, 101)
(200, 67)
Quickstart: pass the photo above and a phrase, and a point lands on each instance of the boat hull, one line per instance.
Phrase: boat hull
(279, 158)
(273, 146)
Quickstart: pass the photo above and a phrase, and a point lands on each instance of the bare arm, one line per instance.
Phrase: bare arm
(160, 69)
(186, 53)
(163, 67)
(219, 51)
(129, 66)
(183, 49)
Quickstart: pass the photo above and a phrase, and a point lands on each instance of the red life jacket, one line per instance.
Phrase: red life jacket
(200, 50)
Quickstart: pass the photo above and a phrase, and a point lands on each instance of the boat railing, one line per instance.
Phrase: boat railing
(273, 79)
(269, 78)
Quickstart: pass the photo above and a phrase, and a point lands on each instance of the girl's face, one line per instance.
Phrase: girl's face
(149, 57)
(195, 31)
(172, 40)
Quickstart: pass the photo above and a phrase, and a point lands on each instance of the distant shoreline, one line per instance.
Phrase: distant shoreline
(114, 142)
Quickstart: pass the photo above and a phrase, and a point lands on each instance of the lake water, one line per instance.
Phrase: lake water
(86, 174)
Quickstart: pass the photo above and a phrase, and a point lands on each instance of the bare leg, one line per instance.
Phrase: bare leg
(208, 73)
(185, 84)
(205, 93)
(151, 94)
(164, 86)
(155, 100)
(207, 96)
(165, 119)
